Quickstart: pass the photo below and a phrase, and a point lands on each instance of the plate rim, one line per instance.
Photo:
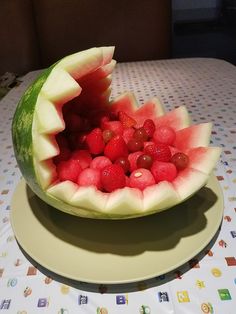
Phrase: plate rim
(70, 276)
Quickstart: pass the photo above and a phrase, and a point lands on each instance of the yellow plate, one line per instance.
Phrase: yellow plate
(113, 252)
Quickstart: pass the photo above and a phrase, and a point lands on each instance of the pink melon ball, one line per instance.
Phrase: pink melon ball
(89, 177)
(141, 178)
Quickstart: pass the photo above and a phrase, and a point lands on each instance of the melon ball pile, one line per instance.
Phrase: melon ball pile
(109, 151)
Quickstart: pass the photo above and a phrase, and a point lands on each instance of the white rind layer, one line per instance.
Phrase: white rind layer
(53, 123)
(60, 86)
(46, 146)
(63, 191)
(107, 53)
(89, 198)
(84, 62)
(159, 197)
(194, 136)
(46, 172)
(188, 182)
(126, 201)
(177, 119)
(203, 159)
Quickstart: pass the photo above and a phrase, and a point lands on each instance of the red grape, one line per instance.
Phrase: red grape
(180, 160)
(144, 161)
(135, 145)
(107, 135)
(140, 134)
(124, 163)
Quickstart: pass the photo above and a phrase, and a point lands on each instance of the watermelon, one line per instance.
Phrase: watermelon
(66, 122)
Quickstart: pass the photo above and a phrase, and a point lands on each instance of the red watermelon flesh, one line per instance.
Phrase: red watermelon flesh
(193, 136)
(203, 159)
(125, 102)
(152, 109)
(177, 119)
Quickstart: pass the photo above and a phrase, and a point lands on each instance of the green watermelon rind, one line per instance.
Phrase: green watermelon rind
(23, 145)
(22, 129)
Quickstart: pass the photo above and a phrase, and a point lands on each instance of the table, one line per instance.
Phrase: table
(206, 284)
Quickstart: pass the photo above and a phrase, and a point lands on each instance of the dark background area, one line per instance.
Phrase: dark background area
(204, 28)
(36, 33)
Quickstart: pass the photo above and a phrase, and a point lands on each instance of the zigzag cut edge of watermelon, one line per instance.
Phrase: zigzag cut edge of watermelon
(88, 75)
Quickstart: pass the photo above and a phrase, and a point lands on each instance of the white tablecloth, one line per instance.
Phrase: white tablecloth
(205, 285)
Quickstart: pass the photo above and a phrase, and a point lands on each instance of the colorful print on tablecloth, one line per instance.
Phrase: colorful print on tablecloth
(175, 82)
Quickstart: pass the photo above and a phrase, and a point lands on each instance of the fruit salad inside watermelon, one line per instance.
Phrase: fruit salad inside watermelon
(91, 156)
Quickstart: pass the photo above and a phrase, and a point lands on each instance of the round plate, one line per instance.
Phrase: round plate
(120, 251)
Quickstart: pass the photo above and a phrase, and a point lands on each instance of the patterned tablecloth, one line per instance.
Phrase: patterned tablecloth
(206, 284)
